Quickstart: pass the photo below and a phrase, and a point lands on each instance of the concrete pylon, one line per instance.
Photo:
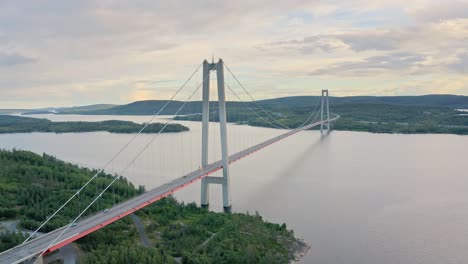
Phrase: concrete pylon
(325, 104)
(224, 180)
(35, 260)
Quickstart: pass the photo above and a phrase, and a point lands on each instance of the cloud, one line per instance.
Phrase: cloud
(67, 48)
(308, 45)
(433, 11)
(402, 62)
(461, 64)
(8, 59)
(436, 47)
(372, 40)
(362, 40)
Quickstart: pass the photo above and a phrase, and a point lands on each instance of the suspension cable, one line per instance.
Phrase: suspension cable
(311, 113)
(253, 99)
(128, 165)
(115, 156)
(123, 171)
(251, 109)
(266, 112)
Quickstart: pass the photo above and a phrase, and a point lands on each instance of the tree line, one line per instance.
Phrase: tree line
(19, 124)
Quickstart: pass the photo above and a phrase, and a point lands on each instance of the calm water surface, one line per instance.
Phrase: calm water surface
(354, 197)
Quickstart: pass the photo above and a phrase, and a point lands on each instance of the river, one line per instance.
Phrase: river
(354, 197)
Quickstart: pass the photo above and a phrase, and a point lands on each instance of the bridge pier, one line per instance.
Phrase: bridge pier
(35, 260)
(224, 180)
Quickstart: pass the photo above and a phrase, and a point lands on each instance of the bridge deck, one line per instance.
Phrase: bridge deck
(90, 224)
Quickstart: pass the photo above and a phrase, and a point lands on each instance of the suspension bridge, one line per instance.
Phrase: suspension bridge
(33, 249)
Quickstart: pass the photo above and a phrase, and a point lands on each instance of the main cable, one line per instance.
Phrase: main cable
(311, 113)
(116, 178)
(251, 109)
(253, 99)
(128, 165)
(114, 157)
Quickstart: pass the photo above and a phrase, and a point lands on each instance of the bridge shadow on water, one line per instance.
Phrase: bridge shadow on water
(288, 173)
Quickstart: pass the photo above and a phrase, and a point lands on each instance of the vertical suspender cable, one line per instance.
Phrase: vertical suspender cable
(113, 158)
(135, 158)
(253, 99)
(123, 171)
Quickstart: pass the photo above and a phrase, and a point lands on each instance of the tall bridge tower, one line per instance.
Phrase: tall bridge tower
(224, 180)
(324, 100)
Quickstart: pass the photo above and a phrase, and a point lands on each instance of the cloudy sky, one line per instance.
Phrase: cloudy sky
(61, 53)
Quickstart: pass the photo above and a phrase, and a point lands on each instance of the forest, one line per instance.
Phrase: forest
(382, 118)
(32, 186)
(192, 235)
(376, 118)
(19, 124)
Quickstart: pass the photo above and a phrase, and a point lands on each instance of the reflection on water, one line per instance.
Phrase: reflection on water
(354, 197)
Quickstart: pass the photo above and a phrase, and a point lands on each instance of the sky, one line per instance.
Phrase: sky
(63, 53)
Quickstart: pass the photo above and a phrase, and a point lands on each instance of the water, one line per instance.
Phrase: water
(354, 197)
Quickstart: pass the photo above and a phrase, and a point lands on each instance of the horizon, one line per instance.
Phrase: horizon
(127, 103)
(81, 53)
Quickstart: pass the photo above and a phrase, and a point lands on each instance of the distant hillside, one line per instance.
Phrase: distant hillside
(452, 101)
(150, 107)
(37, 112)
(85, 108)
(64, 110)
(12, 111)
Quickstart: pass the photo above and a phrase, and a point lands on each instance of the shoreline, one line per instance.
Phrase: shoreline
(299, 250)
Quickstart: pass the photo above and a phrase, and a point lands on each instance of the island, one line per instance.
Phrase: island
(19, 124)
(168, 231)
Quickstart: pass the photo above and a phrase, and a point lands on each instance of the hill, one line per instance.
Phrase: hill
(147, 107)
(447, 100)
(65, 110)
(150, 107)
(406, 119)
(376, 118)
(85, 108)
(13, 111)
